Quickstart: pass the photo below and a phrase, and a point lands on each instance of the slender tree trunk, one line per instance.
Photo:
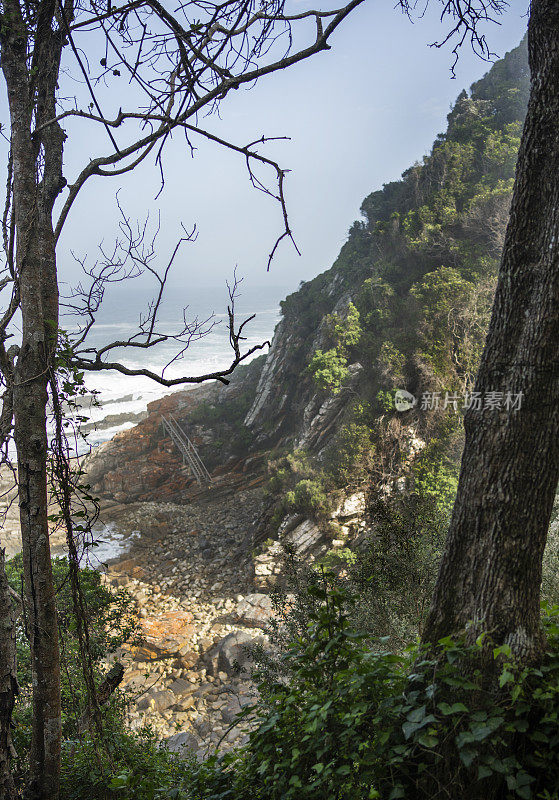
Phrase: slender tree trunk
(30, 420)
(37, 170)
(491, 568)
(31, 442)
(8, 683)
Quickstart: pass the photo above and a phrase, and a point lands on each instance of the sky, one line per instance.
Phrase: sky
(357, 116)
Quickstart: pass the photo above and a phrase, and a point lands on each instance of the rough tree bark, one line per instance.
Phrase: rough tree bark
(8, 683)
(34, 193)
(491, 568)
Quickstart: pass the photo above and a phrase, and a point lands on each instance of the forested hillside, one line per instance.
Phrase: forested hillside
(354, 492)
(405, 306)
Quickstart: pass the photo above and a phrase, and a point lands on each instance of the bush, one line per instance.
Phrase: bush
(355, 721)
(122, 766)
(329, 368)
(308, 497)
(313, 738)
(111, 623)
(348, 458)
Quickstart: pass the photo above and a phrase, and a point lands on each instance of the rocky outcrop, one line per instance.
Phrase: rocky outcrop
(321, 416)
(287, 403)
(142, 463)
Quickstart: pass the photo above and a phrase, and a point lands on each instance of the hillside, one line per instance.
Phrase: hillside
(405, 305)
(311, 460)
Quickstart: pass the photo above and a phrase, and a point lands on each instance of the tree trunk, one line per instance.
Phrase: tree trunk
(491, 568)
(8, 683)
(37, 182)
(31, 442)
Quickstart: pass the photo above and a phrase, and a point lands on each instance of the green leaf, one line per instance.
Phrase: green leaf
(503, 650)
(409, 728)
(467, 756)
(417, 714)
(455, 708)
(120, 781)
(428, 740)
(484, 772)
(505, 677)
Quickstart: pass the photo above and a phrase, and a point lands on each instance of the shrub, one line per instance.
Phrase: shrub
(122, 766)
(329, 369)
(111, 623)
(355, 721)
(308, 497)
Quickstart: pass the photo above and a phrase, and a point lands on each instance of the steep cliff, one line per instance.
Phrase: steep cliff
(445, 219)
(405, 305)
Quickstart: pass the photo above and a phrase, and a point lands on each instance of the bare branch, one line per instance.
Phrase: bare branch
(465, 16)
(222, 82)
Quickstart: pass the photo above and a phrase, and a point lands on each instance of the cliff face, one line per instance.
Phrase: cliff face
(405, 305)
(441, 225)
(287, 403)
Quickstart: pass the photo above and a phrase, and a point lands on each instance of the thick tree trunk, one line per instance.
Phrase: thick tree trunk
(491, 569)
(8, 683)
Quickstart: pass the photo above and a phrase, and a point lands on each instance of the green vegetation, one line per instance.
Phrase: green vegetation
(350, 706)
(329, 368)
(357, 721)
(409, 299)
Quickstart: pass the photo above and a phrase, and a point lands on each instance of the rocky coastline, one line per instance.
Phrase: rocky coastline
(190, 574)
(201, 586)
(196, 559)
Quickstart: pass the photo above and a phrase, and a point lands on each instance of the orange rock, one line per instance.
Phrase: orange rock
(168, 634)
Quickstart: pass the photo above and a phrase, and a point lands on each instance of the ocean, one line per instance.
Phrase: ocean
(123, 396)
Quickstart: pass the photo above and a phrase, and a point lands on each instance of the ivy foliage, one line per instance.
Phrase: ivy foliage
(356, 720)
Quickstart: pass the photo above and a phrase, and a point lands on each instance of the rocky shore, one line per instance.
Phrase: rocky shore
(190, 572)
(201, 588)
(195, 559)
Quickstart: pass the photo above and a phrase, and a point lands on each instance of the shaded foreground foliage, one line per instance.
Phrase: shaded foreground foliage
(355, 720)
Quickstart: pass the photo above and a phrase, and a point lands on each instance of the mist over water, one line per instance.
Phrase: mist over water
(121, 394)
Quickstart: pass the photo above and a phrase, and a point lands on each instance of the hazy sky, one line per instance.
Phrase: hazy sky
(358, 115)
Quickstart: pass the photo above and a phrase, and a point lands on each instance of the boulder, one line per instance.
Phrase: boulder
(162, 700)
(230, 651)
(352, 506)
(182, 743)
(254, 610)
(167, 634)
(181, 688)
(306, 538)
(234, 706)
